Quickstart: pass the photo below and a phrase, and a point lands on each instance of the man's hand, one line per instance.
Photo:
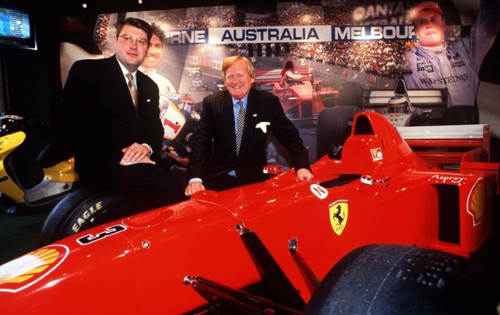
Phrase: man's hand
(145, 160)
(194, 187)
(304, 174)
(136, 153)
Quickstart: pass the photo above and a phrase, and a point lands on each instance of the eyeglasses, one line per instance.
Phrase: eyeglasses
(129, 39)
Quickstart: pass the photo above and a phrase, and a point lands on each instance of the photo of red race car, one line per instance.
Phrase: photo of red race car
(300, 94)
(389, 227)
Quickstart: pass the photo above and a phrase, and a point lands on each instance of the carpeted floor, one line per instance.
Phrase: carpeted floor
(19, 234)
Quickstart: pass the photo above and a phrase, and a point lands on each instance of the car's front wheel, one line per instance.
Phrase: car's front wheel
(86, 208)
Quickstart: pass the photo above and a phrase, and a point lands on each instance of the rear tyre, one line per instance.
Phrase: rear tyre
(351, 94)
(334, 127)
(394, 279)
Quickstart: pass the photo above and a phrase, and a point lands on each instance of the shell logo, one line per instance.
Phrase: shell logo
(27, 270)
(476, 201)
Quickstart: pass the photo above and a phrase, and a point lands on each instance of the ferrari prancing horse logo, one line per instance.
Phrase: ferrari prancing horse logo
(338, 215)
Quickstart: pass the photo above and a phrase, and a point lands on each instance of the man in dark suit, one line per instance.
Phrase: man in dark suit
(111, 121)
(234, 165)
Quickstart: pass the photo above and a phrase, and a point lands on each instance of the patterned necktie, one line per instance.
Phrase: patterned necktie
(240, 123)
(132, 89)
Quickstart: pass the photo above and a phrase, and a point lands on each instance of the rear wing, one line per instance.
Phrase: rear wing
(464, 147)
(432, 102)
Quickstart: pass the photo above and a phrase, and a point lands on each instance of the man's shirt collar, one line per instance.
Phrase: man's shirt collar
(244, 100)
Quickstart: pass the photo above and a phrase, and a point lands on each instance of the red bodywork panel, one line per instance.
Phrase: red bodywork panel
(306, 94)
(379, 192)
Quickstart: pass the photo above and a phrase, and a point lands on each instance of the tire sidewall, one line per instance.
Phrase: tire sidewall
(396, 279)
(85, 208)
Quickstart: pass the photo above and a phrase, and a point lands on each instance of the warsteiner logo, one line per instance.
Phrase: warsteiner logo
(31, 268)
(339, 211)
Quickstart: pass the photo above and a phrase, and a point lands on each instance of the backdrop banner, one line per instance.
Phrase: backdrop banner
(329, 45)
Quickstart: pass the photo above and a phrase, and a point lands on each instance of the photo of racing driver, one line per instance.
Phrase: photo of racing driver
(455, 67)
(153, 58)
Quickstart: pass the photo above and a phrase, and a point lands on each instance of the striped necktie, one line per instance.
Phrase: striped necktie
(240, 123)
(132, 89)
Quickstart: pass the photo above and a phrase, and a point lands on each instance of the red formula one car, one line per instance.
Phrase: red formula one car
(387, 229)
(300, 94)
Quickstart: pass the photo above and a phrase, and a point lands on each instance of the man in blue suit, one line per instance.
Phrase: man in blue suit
(233, 164)
(110, 117)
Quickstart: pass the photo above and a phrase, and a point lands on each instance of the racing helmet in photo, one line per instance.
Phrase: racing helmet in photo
(399, 104)
(293, 77)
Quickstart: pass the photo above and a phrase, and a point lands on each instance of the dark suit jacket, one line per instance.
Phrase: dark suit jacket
(217, 123)
(97, 116)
